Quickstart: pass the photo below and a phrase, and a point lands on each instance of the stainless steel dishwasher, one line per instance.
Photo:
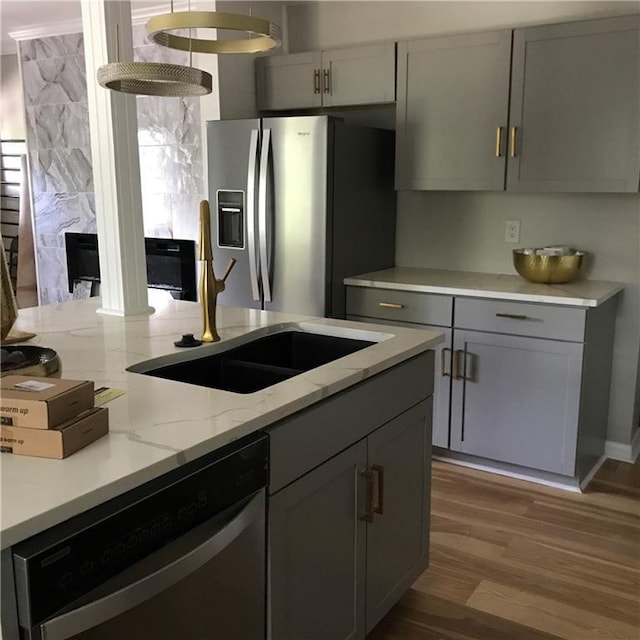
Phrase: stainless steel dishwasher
(181, 557)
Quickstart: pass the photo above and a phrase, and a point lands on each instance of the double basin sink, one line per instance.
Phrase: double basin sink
(259, 362)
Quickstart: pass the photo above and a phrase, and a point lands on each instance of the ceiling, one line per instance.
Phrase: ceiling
(18, 15)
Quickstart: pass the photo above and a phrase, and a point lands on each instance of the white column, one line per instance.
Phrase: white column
(116, 162)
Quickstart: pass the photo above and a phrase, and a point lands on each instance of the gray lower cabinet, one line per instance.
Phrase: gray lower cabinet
(317, 552)
(558, 110)
(516, 399)
(525, 384)
(350, 537)
(335, 77)
(419, 311)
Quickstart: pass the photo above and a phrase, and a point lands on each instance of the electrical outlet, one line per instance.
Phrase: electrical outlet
(512, 231)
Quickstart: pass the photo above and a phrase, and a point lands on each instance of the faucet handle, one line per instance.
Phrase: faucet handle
(230, 266)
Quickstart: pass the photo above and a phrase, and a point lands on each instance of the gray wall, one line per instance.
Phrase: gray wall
(11, 103)
(448, 230)
(55, 95)
(465, 230)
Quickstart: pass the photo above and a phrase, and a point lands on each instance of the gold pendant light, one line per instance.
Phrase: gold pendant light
(154, 78)
(263, 34)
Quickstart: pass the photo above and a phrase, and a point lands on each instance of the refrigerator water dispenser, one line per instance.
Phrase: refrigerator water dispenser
(230, 206)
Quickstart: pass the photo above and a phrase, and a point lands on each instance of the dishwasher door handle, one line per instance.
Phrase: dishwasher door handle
(169, 571)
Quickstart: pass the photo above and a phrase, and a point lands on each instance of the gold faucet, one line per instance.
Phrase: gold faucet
(210, 287)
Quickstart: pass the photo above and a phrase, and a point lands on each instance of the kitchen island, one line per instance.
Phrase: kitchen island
(158, 425)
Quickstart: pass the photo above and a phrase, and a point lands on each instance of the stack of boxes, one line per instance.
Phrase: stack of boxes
(48, 417)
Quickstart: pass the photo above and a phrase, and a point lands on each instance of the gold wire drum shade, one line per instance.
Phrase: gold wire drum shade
(155, 79)
(267, 34)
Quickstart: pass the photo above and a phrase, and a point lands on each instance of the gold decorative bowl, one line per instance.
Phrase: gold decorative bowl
(28, 360)
(548, 269)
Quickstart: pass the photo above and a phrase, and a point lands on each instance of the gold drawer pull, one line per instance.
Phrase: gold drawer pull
(511, 316)
(316, 81)
(379, 506)
(327, 80)
(443, 356)
(498, 142)
(390, 305)
(513, 151)
(367, 516)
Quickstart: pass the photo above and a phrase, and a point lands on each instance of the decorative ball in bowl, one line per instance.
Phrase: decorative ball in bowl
(29, 360)
(548, 269)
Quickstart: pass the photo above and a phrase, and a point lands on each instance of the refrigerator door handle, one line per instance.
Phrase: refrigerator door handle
(251, 213)
(262, 214)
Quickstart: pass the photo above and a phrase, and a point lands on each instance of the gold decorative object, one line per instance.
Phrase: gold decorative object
(548, 269)
(30, 360)
(263, 34)
(9, 310)
(155, 79)
(210, 287)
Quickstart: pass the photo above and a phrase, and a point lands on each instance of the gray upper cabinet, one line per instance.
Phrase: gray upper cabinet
(332, 78)
(452, 112)
(575, 107)
(288, 82)
(569, 121)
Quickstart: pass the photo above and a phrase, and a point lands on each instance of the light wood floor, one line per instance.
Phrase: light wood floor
(511, 560)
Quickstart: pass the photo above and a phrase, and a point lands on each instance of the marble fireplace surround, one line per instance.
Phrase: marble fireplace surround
(59, 153)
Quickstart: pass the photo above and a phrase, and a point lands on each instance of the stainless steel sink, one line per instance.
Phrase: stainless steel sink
(255, 364)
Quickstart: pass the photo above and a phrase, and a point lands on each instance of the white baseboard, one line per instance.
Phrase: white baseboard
(624, 452)
(589, 477)
(548, 482)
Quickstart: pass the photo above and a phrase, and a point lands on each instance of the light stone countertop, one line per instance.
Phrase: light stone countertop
(158, 424)
(581, 293)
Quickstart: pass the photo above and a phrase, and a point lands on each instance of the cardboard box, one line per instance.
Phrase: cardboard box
(59, 442)
(42, 403)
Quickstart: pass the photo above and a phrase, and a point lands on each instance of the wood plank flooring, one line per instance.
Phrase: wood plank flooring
(512, 560)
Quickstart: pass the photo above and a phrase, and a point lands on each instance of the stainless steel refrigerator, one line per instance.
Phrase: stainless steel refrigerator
(301, 203)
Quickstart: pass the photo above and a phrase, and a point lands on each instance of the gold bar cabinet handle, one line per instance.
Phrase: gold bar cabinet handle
(498, 142)
(511, 316)
(316, 81)
(367, 516)
(390, 305)
(379, 506)
(459, 365)
(443, 356)
(327, 80)
(514, 131)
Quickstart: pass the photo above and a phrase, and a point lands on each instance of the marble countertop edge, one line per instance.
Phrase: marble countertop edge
(581, 293)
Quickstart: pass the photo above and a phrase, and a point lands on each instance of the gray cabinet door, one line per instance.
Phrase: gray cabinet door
(289, 82)
(359, 75)
(399, 456)
(442, 379)
(516, 399)
(337, 77)
(317, 552)
(575, 106)
(452, 112)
